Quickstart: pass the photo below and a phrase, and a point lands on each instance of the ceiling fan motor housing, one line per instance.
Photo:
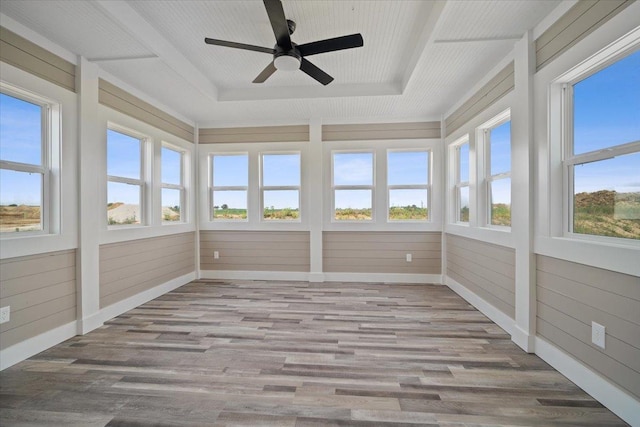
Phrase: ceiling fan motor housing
(287, 60)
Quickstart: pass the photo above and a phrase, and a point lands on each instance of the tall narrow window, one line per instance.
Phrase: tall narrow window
(229, 186)
(603, 151)
(125, 178)
(24, 169)
(498, 172)
(280, 186)
(462, 181)
(173, 193)
(353, 186)
(408, 185)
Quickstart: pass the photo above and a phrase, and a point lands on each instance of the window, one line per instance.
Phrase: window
(24, 163)
(497, 144)
(602, 160)
(462, 180)
(229, 186)
(173, 192)
(352, 186)
(125, 178)
(280, 186)
(408, 185)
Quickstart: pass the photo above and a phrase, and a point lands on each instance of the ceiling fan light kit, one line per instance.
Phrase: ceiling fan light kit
(288, 56)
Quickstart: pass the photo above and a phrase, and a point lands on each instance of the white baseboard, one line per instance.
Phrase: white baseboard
(32, 346)
(321, 277)
(617, 400)
(523, 339)
(383, 277)
(296, 276)
(501, 319)
(90, 323)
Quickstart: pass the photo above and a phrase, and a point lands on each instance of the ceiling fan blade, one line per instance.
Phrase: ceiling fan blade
(266, 73)
(330, 45)
(238, 45)
(315, 72)
(278, 23)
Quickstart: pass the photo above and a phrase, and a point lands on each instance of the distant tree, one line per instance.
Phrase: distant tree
(216, 207)
(225, 206)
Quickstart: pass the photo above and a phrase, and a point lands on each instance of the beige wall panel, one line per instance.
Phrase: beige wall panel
(373, 131)
(135, 247)
(12, 268)
(49, 308)
(255, 250)
(36, 281)
(40, 296)
(297, 133)
(37, 327)
(481, 292)
(146, 256)
(381, 252)
(21, 53)
(490, 272)
(579, 21)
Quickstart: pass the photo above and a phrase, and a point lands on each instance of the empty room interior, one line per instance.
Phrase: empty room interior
(320, 212)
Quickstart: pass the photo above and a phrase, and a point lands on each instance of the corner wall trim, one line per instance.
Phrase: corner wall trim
(617, 400)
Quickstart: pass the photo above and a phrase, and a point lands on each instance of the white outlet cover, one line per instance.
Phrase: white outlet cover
(216, 254)
(5, 314)
(409, 258)
(598, 333)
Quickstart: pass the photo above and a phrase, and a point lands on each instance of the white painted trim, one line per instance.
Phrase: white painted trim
(501, 319)
(384, 278)
(523, 339)
(321, 277)
(89, 323)
(298, 276)
(32, 346)
(316, 277)
(619, 401)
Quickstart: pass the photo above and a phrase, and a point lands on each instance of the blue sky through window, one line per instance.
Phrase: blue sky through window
(280, 170)
(464, 162)
(171, 166)
(500, 145)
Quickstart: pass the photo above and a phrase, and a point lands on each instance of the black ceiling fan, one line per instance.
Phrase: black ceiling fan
(286, 54)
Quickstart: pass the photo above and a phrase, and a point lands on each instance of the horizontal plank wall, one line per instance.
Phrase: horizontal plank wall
(27, 56)
(297, 133)
(579, 21)
(128, 268)
(373, 131)
(41, 291)
(255, 250)
(571, 296)
(381, 252)
(485, 269)
(496, 88)
(120, 100)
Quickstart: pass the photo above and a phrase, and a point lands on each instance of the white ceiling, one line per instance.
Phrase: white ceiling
(418, 59)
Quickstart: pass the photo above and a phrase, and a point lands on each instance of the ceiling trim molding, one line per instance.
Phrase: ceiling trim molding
(293, 92)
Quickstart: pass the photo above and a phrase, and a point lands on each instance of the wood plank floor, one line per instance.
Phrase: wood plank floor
(295, 354)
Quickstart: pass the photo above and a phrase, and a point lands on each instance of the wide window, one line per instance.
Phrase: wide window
(229, 186)
(173, 192)
(280, 186)
(602, 160)
(497, 144)
(24, 168)
(125, 178)
(408, 185)
(352, 186)
(461, 155)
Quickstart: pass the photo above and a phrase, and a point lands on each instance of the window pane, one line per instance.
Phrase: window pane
(408, 168)
(500, 142)
(123, 203)
(606, 106)
(231, 171)
(20, 131)
(463, 203)
(501, 202)
(20, 201)
(171, 204)
(281, 204)
(606, 198)
(171, 167)
(407, 205)
(353, 204)
(280, 169)
(230, 205)
(464, 162)
(123, 155)
(353, 169)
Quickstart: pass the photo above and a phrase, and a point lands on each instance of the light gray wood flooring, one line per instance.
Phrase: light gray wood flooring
(295, 354)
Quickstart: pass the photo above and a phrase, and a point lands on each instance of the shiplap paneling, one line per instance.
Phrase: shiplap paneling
(128, 268)
(255, 250)
(373, 131)
(120, 100)
(27, 56)
(579, 21)
(496, 88)
(297, 133)
(381, 252)
(485, 269)
(571, 296)
(41, 291)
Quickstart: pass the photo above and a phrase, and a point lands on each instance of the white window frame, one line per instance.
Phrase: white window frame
(458, 184)
(371, 187)
(264, 188)
(426, 186)
(180, 187)
(213, 187)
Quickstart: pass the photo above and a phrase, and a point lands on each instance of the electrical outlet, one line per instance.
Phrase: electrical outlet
(216, 254)
(597, 334)
(5, 314)
(409, 258)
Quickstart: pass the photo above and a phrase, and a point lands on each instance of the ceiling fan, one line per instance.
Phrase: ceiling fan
(286, 54)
